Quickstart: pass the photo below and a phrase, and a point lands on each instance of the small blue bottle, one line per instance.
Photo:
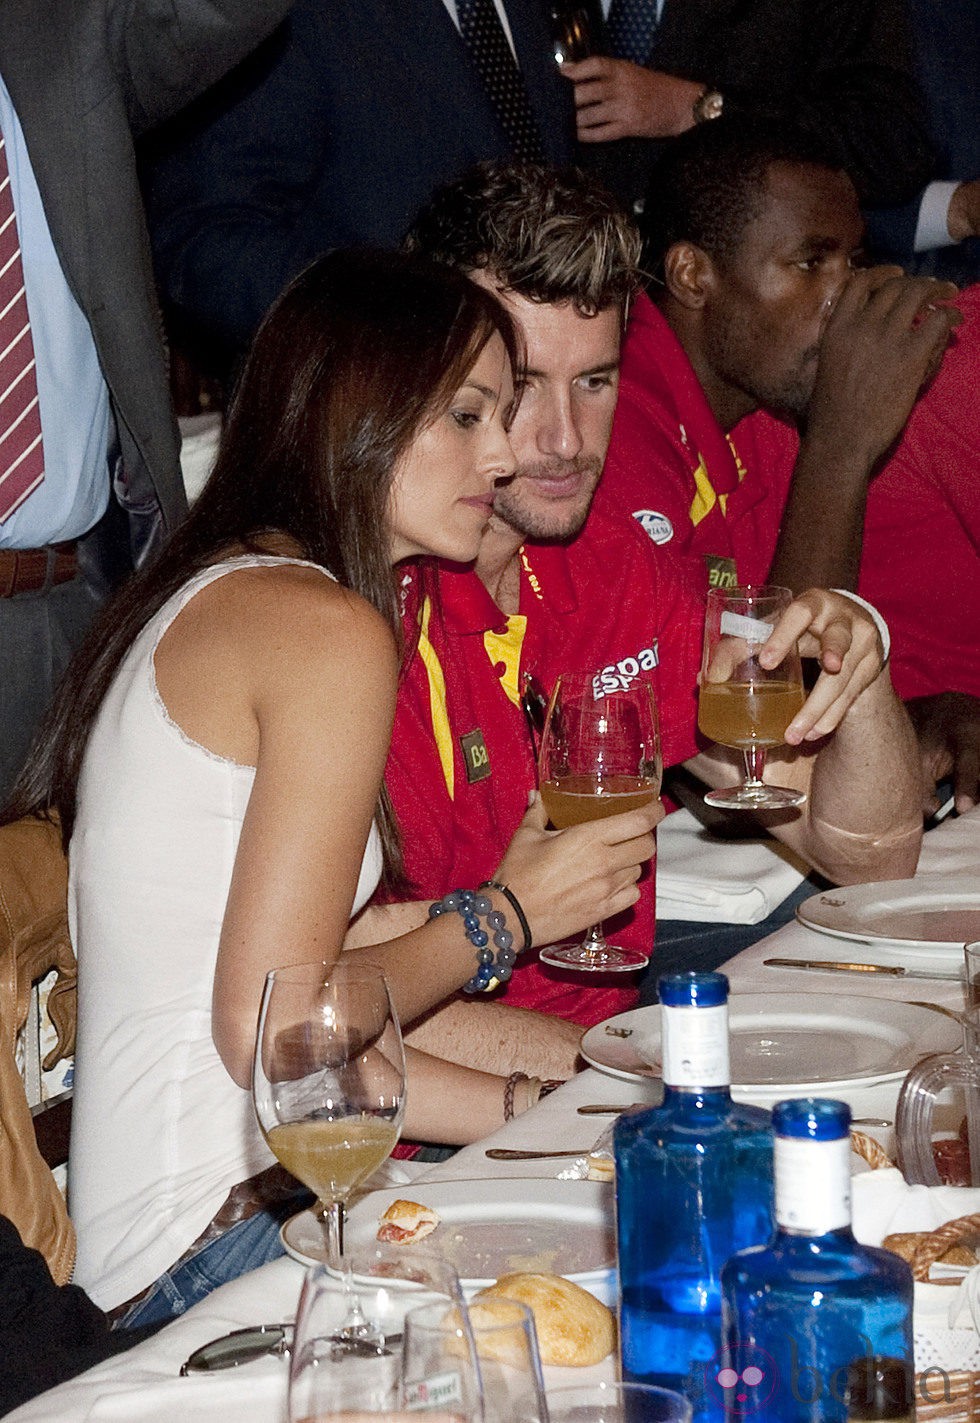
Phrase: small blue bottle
(694, 1184)
(800, 1310)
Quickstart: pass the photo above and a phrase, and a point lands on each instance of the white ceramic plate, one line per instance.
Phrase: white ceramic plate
(916, 922)
(785, 1042)
(490, 1228)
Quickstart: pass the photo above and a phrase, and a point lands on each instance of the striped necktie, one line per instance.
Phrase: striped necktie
(491, 55)
(21, 452)
(630, 27)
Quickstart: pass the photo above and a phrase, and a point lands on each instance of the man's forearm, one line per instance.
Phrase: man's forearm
(819, 543)
(498, 1038)
(493, 1037)
(863, 818)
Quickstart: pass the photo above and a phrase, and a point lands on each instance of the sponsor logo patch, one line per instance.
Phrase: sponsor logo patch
(721, 571)
(657, 526)
(475, 756)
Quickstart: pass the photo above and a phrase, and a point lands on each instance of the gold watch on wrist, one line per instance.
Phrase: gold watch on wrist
(708, 105)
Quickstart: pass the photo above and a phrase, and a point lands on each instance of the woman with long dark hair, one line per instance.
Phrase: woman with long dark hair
(216, 757)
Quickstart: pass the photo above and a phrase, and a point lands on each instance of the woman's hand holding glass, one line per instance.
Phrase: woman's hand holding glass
(599, 763)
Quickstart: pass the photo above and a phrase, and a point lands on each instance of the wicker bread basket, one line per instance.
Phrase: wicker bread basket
(952, 1395)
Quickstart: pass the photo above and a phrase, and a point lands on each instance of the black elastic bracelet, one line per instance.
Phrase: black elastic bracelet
(515, 904)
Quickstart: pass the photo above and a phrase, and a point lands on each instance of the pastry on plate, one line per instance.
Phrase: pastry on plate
(405, 1222)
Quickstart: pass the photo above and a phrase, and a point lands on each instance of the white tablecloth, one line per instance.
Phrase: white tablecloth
(143, 1386)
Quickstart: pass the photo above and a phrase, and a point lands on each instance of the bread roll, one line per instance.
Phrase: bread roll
(905, 1243)
(404, 1222)
(573, 1328)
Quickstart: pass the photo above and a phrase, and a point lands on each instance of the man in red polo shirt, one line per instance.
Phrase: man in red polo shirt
(760, 326)
(554, 590)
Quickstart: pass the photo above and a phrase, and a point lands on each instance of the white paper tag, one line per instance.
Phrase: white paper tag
(813, 1184)
(694, 1046)
(439, 1391)
(750, 629)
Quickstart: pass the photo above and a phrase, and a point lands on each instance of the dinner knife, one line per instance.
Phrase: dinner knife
(889, 970)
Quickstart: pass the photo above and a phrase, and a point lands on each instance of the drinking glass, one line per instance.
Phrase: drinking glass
(498, 1334)
(600, 756)
(971, 965)
(333, 1371)
(617, 1403)
(920, 1095)
(328, 1080)
(741, 703)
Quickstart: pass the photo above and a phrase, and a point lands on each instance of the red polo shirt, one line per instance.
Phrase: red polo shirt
(462, 762)
(719, 500)
(920, 559)
(716, 500)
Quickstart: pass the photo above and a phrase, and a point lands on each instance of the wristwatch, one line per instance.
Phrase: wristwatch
(708, 105)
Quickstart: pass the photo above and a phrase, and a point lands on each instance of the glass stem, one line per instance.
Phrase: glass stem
(332, 1220)
(595, 941)
(755, 763)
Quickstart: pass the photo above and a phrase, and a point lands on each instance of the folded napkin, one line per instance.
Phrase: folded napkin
(704, 879)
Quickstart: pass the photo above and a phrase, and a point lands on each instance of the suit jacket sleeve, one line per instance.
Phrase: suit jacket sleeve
(227, 192)
(167, 52)
(858, 93)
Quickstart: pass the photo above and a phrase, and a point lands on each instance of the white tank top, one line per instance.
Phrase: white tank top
(160, 1132)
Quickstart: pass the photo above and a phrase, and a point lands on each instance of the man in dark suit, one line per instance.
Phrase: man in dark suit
(839, 68)
(937, 233)
(77, 80)
(335, 133)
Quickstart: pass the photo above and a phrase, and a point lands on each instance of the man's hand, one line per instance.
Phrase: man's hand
(884, 339)
(615, 98)
(963, 217)
(843, 637)
(948, 728)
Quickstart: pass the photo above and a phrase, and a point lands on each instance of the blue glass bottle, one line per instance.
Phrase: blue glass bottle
(801, 1309)
(693, 1185)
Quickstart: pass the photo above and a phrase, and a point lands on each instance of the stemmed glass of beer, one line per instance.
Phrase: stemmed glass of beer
(741, 703)
(600, 756)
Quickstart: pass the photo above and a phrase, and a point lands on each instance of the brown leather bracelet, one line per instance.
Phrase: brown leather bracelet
(509, 1087)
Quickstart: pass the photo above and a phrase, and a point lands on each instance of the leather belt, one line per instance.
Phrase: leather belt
(267, 1191)
(31, 570)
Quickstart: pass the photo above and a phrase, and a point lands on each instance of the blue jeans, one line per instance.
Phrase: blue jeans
(244, 1247)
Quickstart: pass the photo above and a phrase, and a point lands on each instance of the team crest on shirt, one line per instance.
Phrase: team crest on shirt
(620, 676)
(657, 526)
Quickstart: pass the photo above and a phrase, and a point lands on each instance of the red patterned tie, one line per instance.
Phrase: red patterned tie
(21, 453)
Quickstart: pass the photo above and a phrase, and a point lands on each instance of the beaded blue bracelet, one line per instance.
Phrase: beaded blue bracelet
(492, 970)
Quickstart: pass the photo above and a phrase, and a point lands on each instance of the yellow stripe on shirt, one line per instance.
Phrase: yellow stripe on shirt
(506, 647)
(705, 497)
(438, 706)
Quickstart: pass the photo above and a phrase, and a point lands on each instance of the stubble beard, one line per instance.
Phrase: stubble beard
(544, 520)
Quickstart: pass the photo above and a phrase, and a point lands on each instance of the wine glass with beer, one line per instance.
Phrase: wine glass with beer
(600, 756)
(328, 1081)
(741, 703)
